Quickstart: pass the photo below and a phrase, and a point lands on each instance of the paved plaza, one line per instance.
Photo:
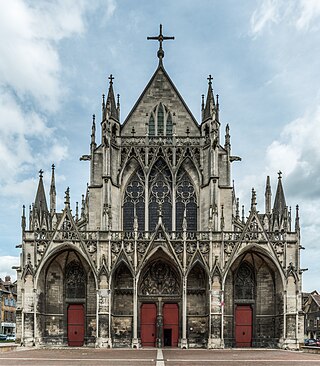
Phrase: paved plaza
(155, 357)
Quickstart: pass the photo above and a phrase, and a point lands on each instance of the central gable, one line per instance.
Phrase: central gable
(160, 89)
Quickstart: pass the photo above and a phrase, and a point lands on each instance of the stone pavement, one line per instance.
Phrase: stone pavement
(156, 357)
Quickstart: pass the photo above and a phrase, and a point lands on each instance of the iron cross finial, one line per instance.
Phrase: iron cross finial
(40, 173)
(111, 78)
(279, 174)
(160, 38)
(210, 78)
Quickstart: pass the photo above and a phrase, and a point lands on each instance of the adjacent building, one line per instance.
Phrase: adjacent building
(160, 251)
(8, 301)
(311, 309)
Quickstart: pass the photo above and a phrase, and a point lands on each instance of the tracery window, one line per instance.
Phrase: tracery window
(244, 283)
(160, 121)
(186, 202)
(75, 281)
(160, 195)
(133, 206)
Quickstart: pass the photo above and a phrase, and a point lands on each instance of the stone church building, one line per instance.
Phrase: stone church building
(160, 253)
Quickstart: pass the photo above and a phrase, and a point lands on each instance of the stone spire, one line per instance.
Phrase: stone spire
(268, 196)
(210, 105)
(53, 193)
(111, 101)
(23, 219)
(297, 223)
(40, 203)
(40, 214)
(279, 201)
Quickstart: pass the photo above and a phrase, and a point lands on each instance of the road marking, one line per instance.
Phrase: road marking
(160, 361)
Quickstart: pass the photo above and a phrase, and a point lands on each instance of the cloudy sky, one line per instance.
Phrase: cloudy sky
(56, 55)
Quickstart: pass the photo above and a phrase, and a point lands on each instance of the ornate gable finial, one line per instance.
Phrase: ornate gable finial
(253, 199)
(160, 38)
(67, 197)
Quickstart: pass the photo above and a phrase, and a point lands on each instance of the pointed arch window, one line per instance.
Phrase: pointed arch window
(152, 127)
(160, 195)
(75, 281)
(169, 125)
(244, 286)
(160, 121)
(186, 202)
(133, 205)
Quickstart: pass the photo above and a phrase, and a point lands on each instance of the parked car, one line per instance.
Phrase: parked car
(3, 337)
(311, 342)
(11, 337)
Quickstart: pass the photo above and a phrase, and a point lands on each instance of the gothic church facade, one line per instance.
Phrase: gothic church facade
(160, 252)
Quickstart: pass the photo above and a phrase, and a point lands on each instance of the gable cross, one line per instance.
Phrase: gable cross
(160, 38)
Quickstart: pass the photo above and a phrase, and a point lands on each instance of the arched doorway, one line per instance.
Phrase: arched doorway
(67, 300)
(253, 308)
(159, 298)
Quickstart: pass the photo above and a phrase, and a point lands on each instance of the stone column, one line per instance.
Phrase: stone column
(184, 341)
(159, 324)
(135, 340)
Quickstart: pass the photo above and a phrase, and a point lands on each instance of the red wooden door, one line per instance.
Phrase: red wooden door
(75, 325)
(170, 324)
(148, 325)
(243, 326)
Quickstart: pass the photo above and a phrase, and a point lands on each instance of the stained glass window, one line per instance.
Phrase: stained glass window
(75, 281)
(169, 125)
(152, 128)
(186, 202)
(133, 205)
(160, 120)
(160, 195)
(244, 283)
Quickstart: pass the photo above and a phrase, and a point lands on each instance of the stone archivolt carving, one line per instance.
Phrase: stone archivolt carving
(160, 279)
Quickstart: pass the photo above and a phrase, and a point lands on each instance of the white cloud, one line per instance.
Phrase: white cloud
(264, 15)
(6, 264)
(310, 11)
(30, 82)
(301, 14)
(297, 152)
